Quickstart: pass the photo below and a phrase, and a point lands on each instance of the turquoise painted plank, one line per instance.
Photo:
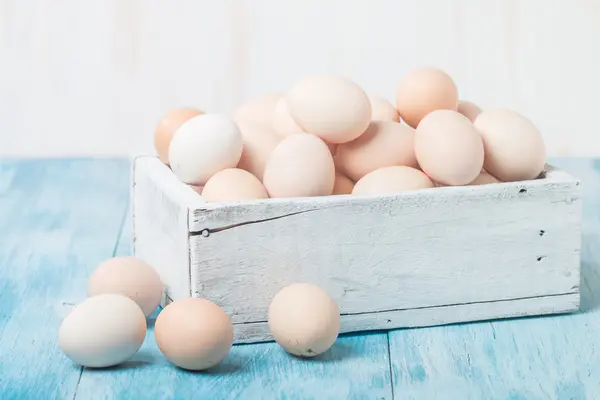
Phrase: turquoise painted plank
(356, 367)
(59, 219)
(527, 358)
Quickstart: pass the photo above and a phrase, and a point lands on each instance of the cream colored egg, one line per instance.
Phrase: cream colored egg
(389, 180)
(232, 185)
(283, 122)
(425, 90)
(203, 146)
(448, 148)
(383, 110)
(514, 147)
(469, 109)
(259, 109)
(102, 331)
(384, 143)
(333, 108)
(131, 277)
(343, 185)
(194, 334)
(259, 141)
(197, 188)
(300, 166)
(167, 127)
(484, 178)
(304, 319)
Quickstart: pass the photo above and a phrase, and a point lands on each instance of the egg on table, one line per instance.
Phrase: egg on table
(194, 334)
(203, 146)
(131, 277)
(448, 148)
(304, 319)
(384, 144)
(300, 166)
(333, 108)
(102, 331)
(422, 91)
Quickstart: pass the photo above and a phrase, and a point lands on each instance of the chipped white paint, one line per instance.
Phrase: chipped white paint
(421, 258)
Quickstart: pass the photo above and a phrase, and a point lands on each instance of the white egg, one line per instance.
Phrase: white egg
(203, 146)
(102, 331)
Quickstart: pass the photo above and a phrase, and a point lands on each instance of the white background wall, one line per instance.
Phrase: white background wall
(93, 77)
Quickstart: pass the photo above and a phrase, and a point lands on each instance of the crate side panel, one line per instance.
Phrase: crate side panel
(424, 249)
(160, 224)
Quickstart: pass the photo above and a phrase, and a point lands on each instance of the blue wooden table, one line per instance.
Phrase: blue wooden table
(60, 218)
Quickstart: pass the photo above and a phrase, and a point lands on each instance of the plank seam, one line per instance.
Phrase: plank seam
(440, 306)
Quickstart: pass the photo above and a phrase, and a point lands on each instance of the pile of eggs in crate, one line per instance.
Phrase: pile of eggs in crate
(325, 136)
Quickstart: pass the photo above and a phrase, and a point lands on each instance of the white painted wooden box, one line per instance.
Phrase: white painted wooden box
(428, 257)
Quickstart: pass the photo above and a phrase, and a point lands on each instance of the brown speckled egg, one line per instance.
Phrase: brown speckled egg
(422, 91)
(448, 148)
(389, 180)
(194, 334)
(304, 319)
(384, 143)
(167, 127)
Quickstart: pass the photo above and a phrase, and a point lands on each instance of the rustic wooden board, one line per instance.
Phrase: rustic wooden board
(429, 257)
(58, 219)
(531, 358)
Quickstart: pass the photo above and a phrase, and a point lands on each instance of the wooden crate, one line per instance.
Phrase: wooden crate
(422, 258)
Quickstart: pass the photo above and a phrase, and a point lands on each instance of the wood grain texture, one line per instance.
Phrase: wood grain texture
(71, 63)
(412, 259)
(59, 220)
(537, 358)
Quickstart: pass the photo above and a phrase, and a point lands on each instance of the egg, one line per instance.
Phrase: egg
(333, 108)
(389, 180)
(259, 109)
(484, 178)
(203, 146)
(197, 188)
(383, 110)
(425, 90)
(194, 334)
(300, 166)
(304, 319)
(343, 185)
(102, 331)
(131, 277)
(259, 141)
(514, 147)
(469, 109)
(283, 122)
(448, 148)
(167, 127)
(384, 143)
(233, 184)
